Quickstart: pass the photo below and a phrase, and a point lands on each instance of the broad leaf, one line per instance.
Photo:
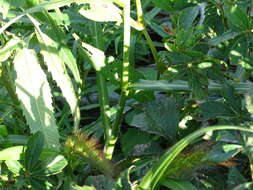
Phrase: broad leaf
(136, 136)
(33, 150)
(101, 11)
(51, 166)
(235, 178)
(160, 117)
(237, 15)
(11, 153)
(14, 166)
(34, 93)
(215, 109)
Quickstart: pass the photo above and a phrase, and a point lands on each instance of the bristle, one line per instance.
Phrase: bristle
(88, 149)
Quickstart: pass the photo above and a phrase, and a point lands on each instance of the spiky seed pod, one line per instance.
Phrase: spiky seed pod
(88, 149)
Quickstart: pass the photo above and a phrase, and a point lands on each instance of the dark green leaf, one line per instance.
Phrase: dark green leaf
(136, 136)
(174, 184)
(224, 37)
(34, 148)
(235, 178)
(237, 15)
(188, 16)
(223, 152)
(215, 109)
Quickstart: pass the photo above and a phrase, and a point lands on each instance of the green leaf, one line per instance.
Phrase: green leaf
(34, 149)
(136, 136)
(223, 152)
(5, 5)
(3, 130)
(215, 109)
(34, 93)
(95, 55)
(237, 15)
(235, 178)
(164, 116)
(175, 184)
(14, 166)
(55, 65)
(47, 5)
(77, 187)
(157, 172)
(170, 5)
(198, 83)
(12, 153)
(101, 11)
(245, 186)
(10, 46)
(100, 182)
(249, 101)
(160, 117)
(51, 166)
(224, 37)
(188, 16)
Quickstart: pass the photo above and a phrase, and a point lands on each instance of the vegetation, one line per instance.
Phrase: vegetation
(126, 95)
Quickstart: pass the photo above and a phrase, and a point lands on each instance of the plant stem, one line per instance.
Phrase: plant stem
(103, 93)
(140, 18)
(124, 80)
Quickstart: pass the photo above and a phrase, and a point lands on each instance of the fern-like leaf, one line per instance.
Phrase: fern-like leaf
(35, 96)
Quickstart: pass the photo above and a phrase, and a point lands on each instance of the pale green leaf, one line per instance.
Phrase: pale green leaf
(11, 153)
(14, 166)
(96, 56)
(35, 96)
(10, 46)
(101, 11)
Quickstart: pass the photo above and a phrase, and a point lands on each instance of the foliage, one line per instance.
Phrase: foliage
(113, 94)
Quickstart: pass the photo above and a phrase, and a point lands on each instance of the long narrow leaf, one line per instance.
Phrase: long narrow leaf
(55, 64)
(34, 93)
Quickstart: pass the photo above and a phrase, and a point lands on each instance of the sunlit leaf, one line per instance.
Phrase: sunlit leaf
(101, 11)
(35, 95)
(55, 64)
(11, 153)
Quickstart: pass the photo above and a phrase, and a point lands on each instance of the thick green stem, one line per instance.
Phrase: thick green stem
(141, 22)
(103, 93)
(124, 80)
